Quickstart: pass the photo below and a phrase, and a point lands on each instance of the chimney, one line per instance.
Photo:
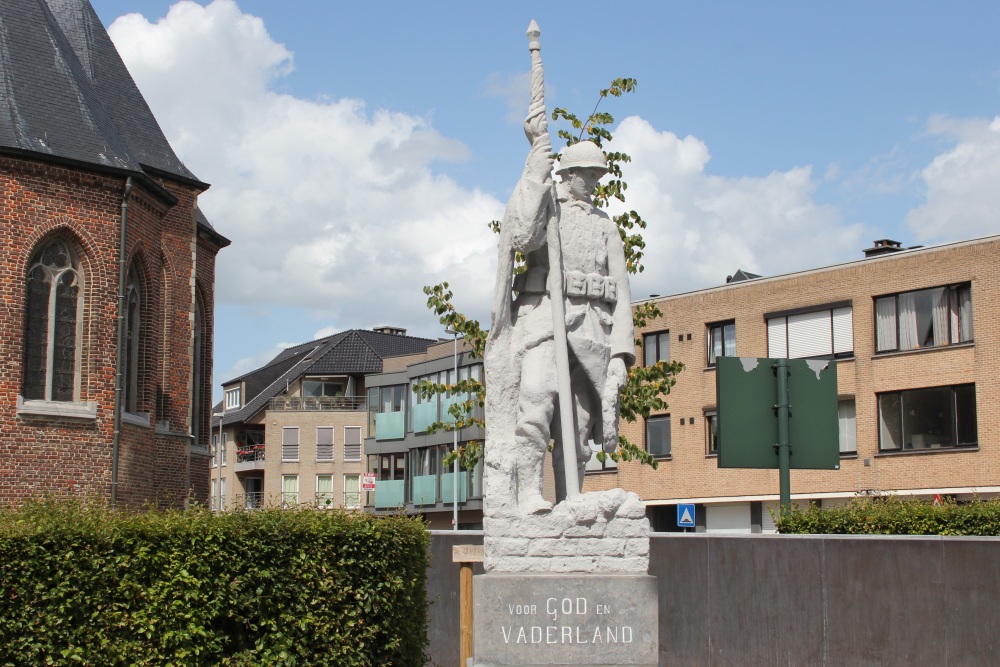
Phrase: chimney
(390, 330)
(883, 247)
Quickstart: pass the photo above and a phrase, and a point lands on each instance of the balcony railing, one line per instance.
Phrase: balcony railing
(249, 453)
(312, 404)
(251, 501)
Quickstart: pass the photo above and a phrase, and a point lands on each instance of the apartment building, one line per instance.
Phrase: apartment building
(915, 336)
(408, 460)
(291, 431)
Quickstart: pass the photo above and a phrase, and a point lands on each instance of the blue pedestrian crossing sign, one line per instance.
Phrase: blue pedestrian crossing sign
(685, 515)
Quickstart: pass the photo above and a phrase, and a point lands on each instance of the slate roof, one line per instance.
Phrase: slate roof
(66, 95)
(353, 352)
(741, 276)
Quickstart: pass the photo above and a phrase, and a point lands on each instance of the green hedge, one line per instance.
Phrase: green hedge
(81, 585)
(895, 515)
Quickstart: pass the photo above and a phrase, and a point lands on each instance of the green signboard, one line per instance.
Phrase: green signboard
(747, 390)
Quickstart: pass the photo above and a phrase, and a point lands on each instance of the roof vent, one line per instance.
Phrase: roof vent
(389, 330)
(883, 247)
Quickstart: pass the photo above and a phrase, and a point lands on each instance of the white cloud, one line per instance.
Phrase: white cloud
(334, 208)
(702, 228)
(330, 206)
(962, 200)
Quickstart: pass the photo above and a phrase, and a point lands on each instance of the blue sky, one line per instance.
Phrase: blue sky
(357, 150)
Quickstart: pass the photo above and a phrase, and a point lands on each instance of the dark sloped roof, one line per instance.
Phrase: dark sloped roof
(66, 94)
(205, 226)
(353, 352)
(741, 276)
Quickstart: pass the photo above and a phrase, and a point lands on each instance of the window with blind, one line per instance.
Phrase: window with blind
(823, 333)
(324, 491)
(924, 318)
(352, 443)
(290, 443)
(324, 443)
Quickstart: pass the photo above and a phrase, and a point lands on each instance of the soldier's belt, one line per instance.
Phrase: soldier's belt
(575, 283)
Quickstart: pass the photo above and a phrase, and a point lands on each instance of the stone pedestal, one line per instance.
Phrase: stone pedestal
(565, 619)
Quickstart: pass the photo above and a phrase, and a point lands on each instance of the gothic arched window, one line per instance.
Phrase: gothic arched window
(133, 309)
(54, 307)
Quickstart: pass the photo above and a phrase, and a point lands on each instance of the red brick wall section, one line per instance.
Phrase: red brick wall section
(42, 455)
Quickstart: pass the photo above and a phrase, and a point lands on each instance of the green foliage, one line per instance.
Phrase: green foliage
(894, 515)
(83, 585)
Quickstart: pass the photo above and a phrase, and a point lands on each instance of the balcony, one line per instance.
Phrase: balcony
(323, 404)
(425, 490)
(250, 501)
(249, 458)
(448, 487)
(390, 425)
(389, 494)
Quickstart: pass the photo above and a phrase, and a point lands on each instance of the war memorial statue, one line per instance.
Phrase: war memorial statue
(565, 584)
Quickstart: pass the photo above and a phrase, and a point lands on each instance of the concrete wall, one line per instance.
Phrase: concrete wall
(797, 600)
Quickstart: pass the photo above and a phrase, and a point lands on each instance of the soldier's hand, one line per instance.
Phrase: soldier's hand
(617, 373)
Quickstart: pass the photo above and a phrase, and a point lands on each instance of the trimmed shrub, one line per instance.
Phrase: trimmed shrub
(894, 515)
(82, 585)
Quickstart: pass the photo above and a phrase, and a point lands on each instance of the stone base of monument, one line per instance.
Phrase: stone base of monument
(564, 619)
(600, 531)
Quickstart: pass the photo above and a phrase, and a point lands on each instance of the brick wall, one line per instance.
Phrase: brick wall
(43, 455)
(691, 474)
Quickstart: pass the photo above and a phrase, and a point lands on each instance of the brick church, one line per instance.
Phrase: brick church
(107, 271)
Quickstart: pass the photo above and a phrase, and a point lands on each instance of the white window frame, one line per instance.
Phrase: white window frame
(359, 445)
(289, 498)
(847, 424)
(329, 495)
(331, 445)
(348, 501)
(222, 494)
(286, 445)
(223, 448)
(233, 398)
(215, 450)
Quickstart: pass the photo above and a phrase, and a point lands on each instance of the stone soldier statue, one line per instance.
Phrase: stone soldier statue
(574, 288)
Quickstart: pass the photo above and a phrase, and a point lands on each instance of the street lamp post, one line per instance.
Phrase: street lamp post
(215, 454)
(454, 432)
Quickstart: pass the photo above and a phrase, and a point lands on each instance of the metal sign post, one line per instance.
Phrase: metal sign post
(777, 413)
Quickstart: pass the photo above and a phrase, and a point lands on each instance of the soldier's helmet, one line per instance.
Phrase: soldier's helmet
(582, 155)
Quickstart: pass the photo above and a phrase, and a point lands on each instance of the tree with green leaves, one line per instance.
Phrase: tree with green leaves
(646, 386)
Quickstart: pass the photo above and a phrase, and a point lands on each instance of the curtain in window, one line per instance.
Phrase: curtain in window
(324, 489)
(352, 490)
(939, 316)
(290, 489)
(907, 321)
(965, 313)
(885, 323)
(729, 333)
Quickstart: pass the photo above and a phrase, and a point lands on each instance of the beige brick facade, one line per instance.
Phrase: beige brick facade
(691, 475)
